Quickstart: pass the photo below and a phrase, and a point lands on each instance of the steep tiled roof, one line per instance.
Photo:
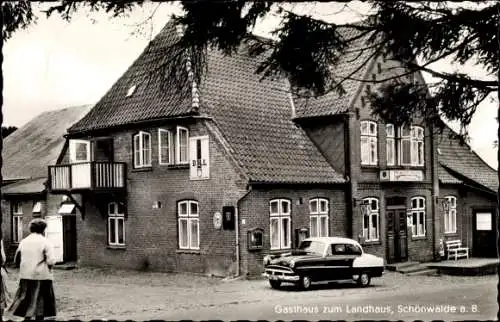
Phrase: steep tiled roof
(465, 162)
(446, 177)
(30, 149)
(348, 66)
(255, 118)
(36, 185)
(149, 101)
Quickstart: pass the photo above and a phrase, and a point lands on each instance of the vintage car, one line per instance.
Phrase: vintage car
(323, 259)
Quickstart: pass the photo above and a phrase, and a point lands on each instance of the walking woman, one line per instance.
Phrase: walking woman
(35, 295)
(4, 295)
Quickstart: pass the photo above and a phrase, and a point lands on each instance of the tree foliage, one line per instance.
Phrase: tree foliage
(7, 130)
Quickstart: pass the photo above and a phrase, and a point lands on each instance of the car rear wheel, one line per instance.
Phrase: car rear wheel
(275, 284)
(305, 283)
(364, 279)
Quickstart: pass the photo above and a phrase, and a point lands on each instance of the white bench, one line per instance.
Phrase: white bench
(454, 249)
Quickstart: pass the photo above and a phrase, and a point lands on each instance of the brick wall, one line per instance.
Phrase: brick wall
(254, 211)
(151, 233)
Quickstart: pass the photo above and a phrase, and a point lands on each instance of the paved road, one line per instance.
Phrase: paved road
(470, 301)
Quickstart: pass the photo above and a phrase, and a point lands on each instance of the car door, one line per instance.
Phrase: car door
(338, 262)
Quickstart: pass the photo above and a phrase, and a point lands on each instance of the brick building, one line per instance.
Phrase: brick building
(26, 154)
(212, 181)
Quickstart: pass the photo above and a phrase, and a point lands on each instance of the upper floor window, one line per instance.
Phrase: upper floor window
(280, 223)
(371, 219)
(182, 139)
(142, 150)
(318, 217)
(116, 224)
(390, 144)
(189, 224)
(417, 213)
(199, 158)
(405, 146)
(450, 215)
(165, 147)
(17, 221)
(79, 151)
(369, 154)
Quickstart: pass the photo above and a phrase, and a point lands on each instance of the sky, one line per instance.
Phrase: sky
(55, 64)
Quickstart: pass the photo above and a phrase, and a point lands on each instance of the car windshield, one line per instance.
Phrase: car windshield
(313, 247)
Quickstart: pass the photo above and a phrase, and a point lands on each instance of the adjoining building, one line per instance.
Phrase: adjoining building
(26, 154)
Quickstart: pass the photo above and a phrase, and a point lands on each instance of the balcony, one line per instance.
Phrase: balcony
(96, 176)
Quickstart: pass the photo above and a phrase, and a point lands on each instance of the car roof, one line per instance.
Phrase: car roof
(333, 240)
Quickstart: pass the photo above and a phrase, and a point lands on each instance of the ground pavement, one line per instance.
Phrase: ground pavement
(93, 293)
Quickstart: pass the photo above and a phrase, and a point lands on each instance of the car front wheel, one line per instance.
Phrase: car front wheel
(275, 284)
(364, 280)
(305, 283)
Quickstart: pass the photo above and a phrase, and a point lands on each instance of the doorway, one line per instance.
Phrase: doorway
(397, 241)
(69, 238)
(484, 242)
(61, 232)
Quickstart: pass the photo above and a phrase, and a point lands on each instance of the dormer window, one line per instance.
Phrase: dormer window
(131, 90)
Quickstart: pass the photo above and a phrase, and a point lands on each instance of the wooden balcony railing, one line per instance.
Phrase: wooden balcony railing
(87, 176)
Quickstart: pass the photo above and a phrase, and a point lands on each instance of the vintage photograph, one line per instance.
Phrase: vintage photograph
(237, 160)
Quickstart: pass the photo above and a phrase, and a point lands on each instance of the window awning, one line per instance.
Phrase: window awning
(66, 209)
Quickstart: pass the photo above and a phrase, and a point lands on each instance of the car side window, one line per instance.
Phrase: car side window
(338, 249)
(352, 249)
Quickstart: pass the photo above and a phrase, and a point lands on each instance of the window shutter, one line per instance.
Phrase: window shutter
(199, 158)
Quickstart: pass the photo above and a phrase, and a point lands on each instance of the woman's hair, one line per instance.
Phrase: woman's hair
(37, 226)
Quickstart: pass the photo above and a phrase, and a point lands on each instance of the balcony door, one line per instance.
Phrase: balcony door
(102, 150)
(79, 157)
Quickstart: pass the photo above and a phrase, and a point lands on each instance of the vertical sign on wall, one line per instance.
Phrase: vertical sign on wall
(199, 162)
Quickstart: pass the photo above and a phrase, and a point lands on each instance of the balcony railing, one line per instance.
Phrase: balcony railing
(87, 176)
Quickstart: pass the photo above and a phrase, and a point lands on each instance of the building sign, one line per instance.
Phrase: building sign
(483, 221)
(401, 175)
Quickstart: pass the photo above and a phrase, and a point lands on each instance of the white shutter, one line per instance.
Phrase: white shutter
(205, 158)
(193, 170)
(199, 158)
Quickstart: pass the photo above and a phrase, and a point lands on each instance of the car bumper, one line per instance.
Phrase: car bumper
(284, 278)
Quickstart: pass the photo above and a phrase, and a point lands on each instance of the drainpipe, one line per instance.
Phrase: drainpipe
(237, 228)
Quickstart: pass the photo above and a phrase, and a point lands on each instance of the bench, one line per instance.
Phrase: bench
(454, 249)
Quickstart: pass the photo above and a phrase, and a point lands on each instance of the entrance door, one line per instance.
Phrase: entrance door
(69, 238)
(397, 245)
(484, 234)
(54, 233)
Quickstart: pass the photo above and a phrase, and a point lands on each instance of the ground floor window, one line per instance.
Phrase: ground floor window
(370, 219)
(280, 224)
(116, 224)
(318, 217)
(189, 224)
(417, 213)
(450, 215)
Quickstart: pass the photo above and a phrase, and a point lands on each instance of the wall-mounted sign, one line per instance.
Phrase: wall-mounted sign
(483, 221)
(401, 175)
(217, 220)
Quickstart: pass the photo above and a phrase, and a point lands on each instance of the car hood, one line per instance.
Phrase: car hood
(286, 259)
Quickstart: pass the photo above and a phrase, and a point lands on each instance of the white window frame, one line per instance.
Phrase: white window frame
(165, 145)
(140, 151)
(283, 218)
(190, 218)
(114, 218)
(390, 132)
(72, 151)
(417, 210)
(417, 146)
(373, 216)
(319, 213)
(179, 149)
(369, 143)
(17, 221)
(450, 216)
